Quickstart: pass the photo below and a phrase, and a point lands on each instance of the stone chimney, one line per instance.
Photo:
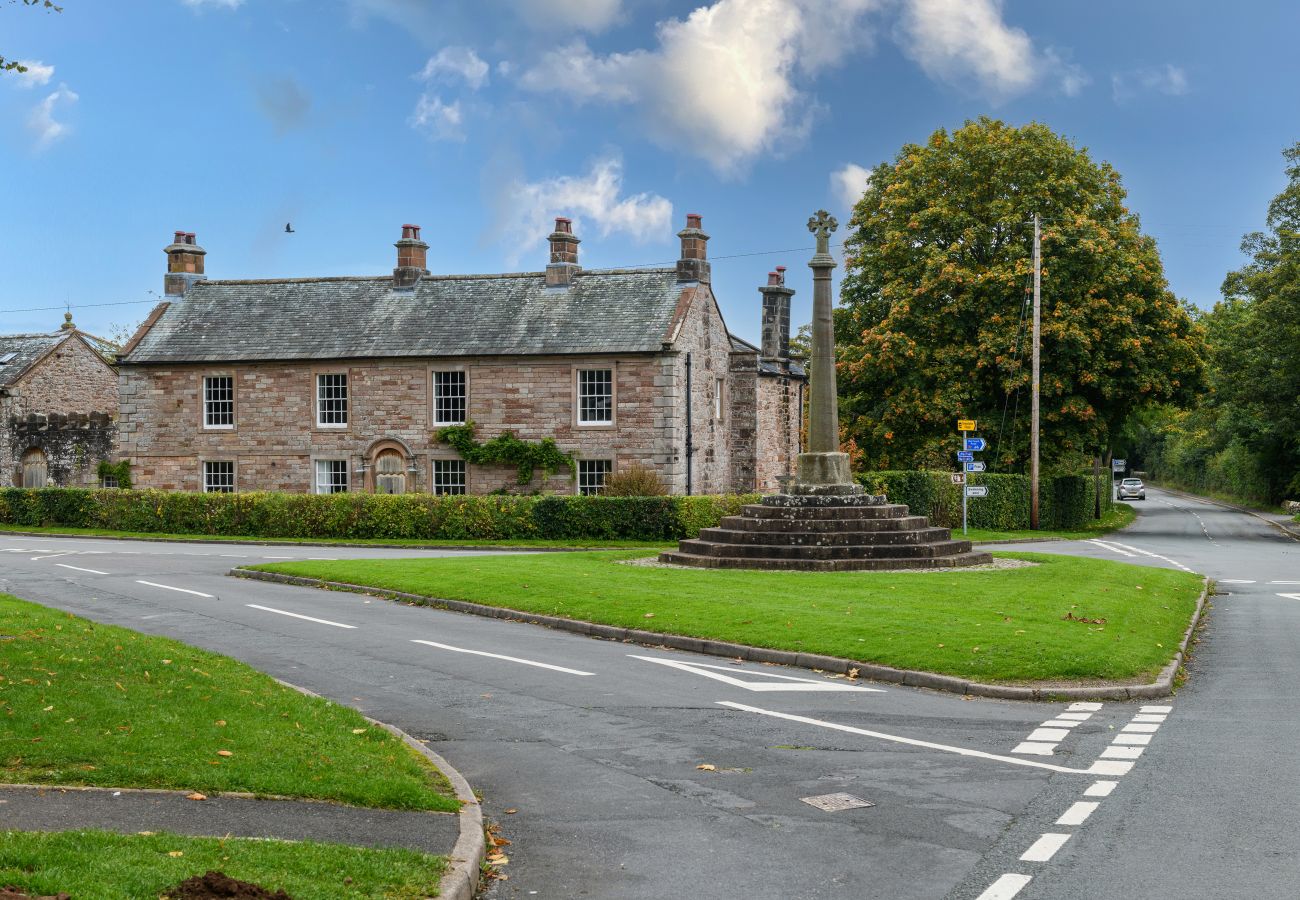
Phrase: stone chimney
(694, 263)
(564, 254)
(184, 264)
(412, 259)
(776, 315)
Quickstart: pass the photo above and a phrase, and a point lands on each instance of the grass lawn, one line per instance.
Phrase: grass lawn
(1003, 625)
(102, 865)
(89, 704)
(539, 543)
(1120, 516)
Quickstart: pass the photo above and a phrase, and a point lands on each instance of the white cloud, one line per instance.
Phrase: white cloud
(720, 83)
(959, 40)
(220, 4)
(440, 121)
(459, 61)
(1167, 79)
(594, 199)
(42, 122)
(37, 73)
(568, 15)
(849, 182)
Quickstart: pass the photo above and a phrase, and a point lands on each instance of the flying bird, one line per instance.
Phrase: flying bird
(288, 228)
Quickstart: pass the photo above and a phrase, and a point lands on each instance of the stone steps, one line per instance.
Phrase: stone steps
(921, 535)
(823, 526)
(971, 558)
(842, 513)
(930, 550)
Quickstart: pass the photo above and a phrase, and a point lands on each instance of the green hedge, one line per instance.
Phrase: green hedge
(1064, 501)
(415, 516)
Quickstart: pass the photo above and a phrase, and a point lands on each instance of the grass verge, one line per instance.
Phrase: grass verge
(1120, 516)
(528, 543)
(103, 865)
(1064, 619)
(89, 704)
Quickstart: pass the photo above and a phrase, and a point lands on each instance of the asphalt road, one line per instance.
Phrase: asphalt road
(595, 745)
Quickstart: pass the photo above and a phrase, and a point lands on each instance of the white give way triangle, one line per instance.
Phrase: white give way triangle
(784, 682)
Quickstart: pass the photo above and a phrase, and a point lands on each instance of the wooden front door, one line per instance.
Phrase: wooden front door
(35, 469)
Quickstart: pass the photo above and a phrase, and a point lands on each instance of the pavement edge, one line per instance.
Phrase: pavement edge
(460, 881)
(1163, 686)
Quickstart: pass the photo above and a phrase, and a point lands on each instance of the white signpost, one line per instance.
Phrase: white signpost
(966, 457)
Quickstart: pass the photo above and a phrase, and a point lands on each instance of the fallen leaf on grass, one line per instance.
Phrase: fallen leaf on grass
(196, 796)
(175, 853)
(220, 723)
(146, 833)
(359, 730)
(224, 753)
(649, 615)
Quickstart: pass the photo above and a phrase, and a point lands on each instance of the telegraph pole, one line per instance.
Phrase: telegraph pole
(1033, 428)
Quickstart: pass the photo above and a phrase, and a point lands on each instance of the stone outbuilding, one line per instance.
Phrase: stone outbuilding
(343, 383)
(58, 400)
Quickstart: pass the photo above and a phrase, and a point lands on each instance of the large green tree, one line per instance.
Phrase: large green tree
(934, 318)
(7, 65)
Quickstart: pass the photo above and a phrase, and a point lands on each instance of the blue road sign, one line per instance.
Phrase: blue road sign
(974, 467)
(965, 456)
(976, 443)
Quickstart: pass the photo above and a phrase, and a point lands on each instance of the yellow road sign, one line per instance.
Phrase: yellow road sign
(965, 424)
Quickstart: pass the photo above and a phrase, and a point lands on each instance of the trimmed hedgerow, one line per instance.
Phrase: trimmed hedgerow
(1064, 501)
(369, 516)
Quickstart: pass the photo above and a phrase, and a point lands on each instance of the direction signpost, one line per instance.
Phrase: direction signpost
(974, 467)
(966, 456)
(976, 490)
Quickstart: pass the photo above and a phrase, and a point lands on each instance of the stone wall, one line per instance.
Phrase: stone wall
(743, 426)
(275, 438)
(778, 420)
(63, 405)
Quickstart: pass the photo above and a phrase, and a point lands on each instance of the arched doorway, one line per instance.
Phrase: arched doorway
(390, 472)
(36, 469)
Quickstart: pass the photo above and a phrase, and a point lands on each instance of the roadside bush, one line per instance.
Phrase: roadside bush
(1064, 501)
(634, 481)
(369, 516)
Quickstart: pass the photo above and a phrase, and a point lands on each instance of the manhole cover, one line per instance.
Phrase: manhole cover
(836, 802)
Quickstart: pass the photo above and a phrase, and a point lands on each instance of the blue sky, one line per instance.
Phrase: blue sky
(482, 121)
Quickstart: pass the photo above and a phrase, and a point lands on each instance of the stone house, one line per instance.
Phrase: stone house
(58, 399)
(342, 383)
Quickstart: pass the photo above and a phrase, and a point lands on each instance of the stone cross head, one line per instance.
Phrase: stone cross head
(822, 224)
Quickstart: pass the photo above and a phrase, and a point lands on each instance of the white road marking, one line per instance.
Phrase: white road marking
(1157, 709)
(1141, 727)
(323, 558)
(1236, 581)
(1061, 723)
(1076, 716)
(168, 587)
(799, 684)
(1289, 596)
(297, 616)
(1005, 887)
(1140, 740)
(1105, 546)
(1045, 847)
(1048, 734)
(1110, 767)
(1035, 748)
(277, 557)
(1283, 582)
(1078, 813)
(929, 745)
(1113, 752)
(526, 662)
(1120, 548)
(1149, 718)
(54, 555)
(1084, 707)
(79, 569)
(1100, 789)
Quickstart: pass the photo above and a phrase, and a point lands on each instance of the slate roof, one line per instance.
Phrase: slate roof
(27, 349)
(603, 311)
(767, 366)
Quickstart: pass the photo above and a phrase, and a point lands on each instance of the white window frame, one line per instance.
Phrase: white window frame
(585, 487)
(208, 401)
(435, 376)
(582, 381)
(329, 485)
(449, 484)
(320, 400)
(210, 484)
(719, 385)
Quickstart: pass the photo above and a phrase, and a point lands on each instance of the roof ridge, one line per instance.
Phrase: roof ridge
(646, 270)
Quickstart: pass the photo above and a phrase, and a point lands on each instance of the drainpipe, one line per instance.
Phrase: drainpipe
(690, 443)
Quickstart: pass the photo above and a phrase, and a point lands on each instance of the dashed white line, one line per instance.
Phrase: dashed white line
(515, 659)
(1076, 716)
(1035, 748)
(1048, 734)
(79, 569)
(1236, 581)
(1100, 788)
(277, 557)
(1078, 813)
(297, 616)
(1061, 723)
(1006, 887)
(1157, 709)
(1284, 582)
(1136, 739)
(1105, 546)
(1084, 707)
(1114, 752)
(1045, 847)
(1141, 717)
(1289, 596)
(53, 555)
(168, 587)
(1141, 727)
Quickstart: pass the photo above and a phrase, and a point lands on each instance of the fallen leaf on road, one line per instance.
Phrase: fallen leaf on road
(498, 859)
(511, 811)
(707, 767)
(196, 796)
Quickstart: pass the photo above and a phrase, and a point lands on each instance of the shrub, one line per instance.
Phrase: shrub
(634, 481)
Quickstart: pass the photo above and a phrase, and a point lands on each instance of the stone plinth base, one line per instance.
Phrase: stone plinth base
(824, 473)
(825, 533)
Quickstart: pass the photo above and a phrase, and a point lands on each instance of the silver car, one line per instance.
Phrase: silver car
(1131, 489)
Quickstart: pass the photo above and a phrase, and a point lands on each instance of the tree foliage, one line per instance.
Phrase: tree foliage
(13, 65)
(1244, 439)
(934, 323)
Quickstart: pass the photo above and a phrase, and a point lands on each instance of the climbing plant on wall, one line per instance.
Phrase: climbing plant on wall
(506, 449)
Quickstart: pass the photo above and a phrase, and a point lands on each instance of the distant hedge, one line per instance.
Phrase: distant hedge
(1064, 501)
(362, 516)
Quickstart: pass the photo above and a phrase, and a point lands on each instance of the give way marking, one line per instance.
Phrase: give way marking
(1290, 596)
(785, 683)
(298, 616)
